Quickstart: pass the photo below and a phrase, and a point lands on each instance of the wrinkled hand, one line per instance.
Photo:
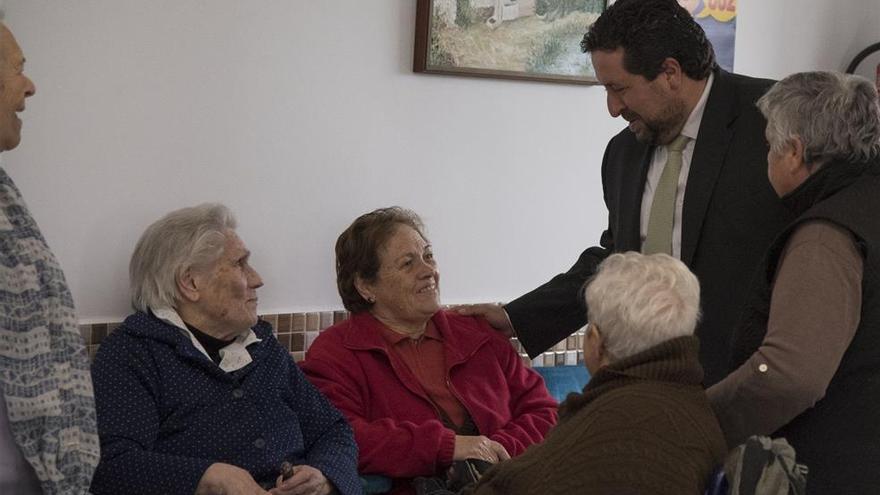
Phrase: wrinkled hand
(493, 313)
(478, 447)
(226, 479)
(306, 480)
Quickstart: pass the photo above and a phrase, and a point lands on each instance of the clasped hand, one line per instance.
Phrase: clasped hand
(478, 447)
(226, 479)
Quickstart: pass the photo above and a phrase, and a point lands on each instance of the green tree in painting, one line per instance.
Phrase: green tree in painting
(437, 55)
(551, 10)
(464, 13)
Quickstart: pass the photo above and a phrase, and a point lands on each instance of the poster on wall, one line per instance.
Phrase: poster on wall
(718, 20)
(513, 39)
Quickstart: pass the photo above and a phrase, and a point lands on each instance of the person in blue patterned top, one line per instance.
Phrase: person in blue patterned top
(194, 393)
(48, 436)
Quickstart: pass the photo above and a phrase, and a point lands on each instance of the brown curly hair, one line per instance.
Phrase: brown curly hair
(357, 250)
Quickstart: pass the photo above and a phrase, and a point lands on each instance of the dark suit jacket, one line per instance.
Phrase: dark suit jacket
(730, 216)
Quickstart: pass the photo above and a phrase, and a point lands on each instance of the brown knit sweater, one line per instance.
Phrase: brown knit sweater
(642, 426)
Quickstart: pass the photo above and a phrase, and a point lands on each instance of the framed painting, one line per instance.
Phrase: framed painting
(536, 40)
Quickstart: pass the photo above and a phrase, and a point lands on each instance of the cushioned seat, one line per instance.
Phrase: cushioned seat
(561, 380)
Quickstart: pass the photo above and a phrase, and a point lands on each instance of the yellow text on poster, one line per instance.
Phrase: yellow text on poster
(721, 10)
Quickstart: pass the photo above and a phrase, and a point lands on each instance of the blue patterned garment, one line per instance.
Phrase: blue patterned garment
(166, 412)
(44, 370)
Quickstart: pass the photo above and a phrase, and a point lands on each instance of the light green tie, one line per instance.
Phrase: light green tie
(659, 238)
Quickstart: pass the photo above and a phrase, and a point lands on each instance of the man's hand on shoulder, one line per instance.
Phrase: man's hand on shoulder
(493, 313)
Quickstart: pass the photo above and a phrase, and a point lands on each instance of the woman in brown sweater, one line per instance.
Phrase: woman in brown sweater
(643, 424)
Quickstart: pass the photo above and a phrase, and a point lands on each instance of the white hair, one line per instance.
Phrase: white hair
(639, 301)
(836, 116)
(188, 238)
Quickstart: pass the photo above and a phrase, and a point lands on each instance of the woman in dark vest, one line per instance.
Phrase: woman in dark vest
(806, 358)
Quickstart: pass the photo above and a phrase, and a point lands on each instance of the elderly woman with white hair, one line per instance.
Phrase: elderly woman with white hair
(643, 424)
(806, 358)
(194, 394)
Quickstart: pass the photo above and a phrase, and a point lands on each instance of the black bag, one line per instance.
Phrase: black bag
(461, 475)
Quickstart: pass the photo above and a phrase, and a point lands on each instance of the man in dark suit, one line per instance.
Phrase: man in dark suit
(713, 208)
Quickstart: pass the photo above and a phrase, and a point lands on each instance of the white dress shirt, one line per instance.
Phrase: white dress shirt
(655, 170)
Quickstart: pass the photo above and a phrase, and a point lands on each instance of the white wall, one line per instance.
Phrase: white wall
(300, 115)
(777, 37)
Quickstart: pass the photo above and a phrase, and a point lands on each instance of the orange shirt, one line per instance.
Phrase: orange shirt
(425, 359)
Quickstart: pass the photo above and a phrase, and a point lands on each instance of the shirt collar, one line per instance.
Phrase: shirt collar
(232, 357)
(393, 338)
(692, 125)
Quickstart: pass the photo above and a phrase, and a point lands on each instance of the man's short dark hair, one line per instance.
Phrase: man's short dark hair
(649, 31)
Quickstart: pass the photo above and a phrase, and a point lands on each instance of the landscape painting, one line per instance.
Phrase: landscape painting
(519, 39)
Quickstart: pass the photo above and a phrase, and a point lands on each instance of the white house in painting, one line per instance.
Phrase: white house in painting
(502, 10)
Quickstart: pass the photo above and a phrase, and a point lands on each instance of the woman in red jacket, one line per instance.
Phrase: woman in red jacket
(422, 387)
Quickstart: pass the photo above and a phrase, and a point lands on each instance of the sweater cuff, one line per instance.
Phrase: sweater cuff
(447, 448)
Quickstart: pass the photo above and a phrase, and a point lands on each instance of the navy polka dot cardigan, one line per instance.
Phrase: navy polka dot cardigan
(166, 412)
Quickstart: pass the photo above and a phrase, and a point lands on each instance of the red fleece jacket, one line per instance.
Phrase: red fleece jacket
(397, 429)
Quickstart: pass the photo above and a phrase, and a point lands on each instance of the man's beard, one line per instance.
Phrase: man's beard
(662, 130)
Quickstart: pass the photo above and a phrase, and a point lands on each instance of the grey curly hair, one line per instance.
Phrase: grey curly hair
(836, 116)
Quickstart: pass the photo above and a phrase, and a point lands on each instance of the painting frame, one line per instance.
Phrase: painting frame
(422, 55)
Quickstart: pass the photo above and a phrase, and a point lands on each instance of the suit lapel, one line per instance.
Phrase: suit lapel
(631, 197)
(710, 149)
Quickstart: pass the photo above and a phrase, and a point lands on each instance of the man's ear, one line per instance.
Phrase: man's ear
(363, 289)
(595, 336)
(671, 71)
(188, 285)
(797, 149)
(794, 154)
(596, 342)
